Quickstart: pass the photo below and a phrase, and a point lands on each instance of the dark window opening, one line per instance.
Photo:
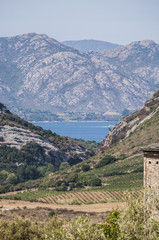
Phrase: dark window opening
(149, 162)
(156, 162)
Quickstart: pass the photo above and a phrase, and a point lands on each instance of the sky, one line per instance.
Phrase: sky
(116, 21)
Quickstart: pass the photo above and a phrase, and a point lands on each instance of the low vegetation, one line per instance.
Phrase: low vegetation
(133, 222)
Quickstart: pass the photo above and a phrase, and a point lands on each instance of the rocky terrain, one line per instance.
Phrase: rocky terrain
(37, 72)
(91, 45)
(134, 121)
(50, 148)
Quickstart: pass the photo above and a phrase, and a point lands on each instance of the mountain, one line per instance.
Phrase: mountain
(39, 73)
(91, 45)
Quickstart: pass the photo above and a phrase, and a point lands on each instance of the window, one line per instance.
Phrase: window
(149, 162)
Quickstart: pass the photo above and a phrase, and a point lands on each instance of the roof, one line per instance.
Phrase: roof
(151, 148)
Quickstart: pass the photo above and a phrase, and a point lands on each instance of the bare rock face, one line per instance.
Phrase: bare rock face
(19, 134)
(130, 122)
(38, 72)
(17, 137)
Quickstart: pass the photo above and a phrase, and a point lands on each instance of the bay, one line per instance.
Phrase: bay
(81, 130)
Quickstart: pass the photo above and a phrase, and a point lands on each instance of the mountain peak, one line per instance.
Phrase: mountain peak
(145, 43)
(40, 73)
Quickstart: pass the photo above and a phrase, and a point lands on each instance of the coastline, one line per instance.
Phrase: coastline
(74, 121)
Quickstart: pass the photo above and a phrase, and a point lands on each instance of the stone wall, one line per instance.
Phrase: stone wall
(151, 170)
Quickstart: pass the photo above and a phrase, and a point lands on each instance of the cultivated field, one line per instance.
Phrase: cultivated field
(88, 197)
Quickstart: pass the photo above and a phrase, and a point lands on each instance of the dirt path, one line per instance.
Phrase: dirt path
(15, 192)
(104, 207)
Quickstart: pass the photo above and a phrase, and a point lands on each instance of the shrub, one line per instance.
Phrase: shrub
(122, 156)
(64, 166)
(61, 189)
(51, 213)
(79, 229)
(111, 227)
(107, 159)
(20, 229)
(12, 179)
(85, 168)
(136, 221)
(95, 181)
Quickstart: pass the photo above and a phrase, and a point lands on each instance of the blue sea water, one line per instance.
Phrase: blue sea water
(80, 130)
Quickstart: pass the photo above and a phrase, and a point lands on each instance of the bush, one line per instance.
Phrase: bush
(95, 182)
(136, 221)
(61, 189)
(79, 229)
(64, 166)
(111, 227)
(51, 213)
(85, 168)
(107, 159)
(20, 229)
(122, 156)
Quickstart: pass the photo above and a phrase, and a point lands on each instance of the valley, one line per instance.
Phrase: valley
(45, 176)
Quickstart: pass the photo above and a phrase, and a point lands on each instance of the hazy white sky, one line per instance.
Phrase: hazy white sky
(117, 21)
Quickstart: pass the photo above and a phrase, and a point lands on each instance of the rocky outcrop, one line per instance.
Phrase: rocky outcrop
(17, 133)
(18, 137)
(38, 72)
(130, 122)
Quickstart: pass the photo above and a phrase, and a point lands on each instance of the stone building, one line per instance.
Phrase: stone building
(151, 178)
(151, 167)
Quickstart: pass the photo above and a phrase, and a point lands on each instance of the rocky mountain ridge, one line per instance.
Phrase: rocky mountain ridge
(131, 122)
(37, 72)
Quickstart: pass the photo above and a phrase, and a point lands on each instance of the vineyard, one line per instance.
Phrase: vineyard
(89, 197)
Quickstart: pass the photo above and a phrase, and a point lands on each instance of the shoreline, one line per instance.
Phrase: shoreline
(73, 121)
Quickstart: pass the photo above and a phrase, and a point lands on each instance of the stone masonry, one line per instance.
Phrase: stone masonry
(151, 167)
(151, 178)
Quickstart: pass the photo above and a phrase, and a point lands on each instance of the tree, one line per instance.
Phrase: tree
(95, 181)
(12, 179)
(64, 166)
(3, 175)
(107, 159)
(85, 168)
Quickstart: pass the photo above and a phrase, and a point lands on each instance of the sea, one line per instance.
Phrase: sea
(80, 130)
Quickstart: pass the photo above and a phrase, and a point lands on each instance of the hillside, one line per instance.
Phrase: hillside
(135, 122)
(106, 176)
(119, 163)
(24, 148)
(39, 73)
(91, 45)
